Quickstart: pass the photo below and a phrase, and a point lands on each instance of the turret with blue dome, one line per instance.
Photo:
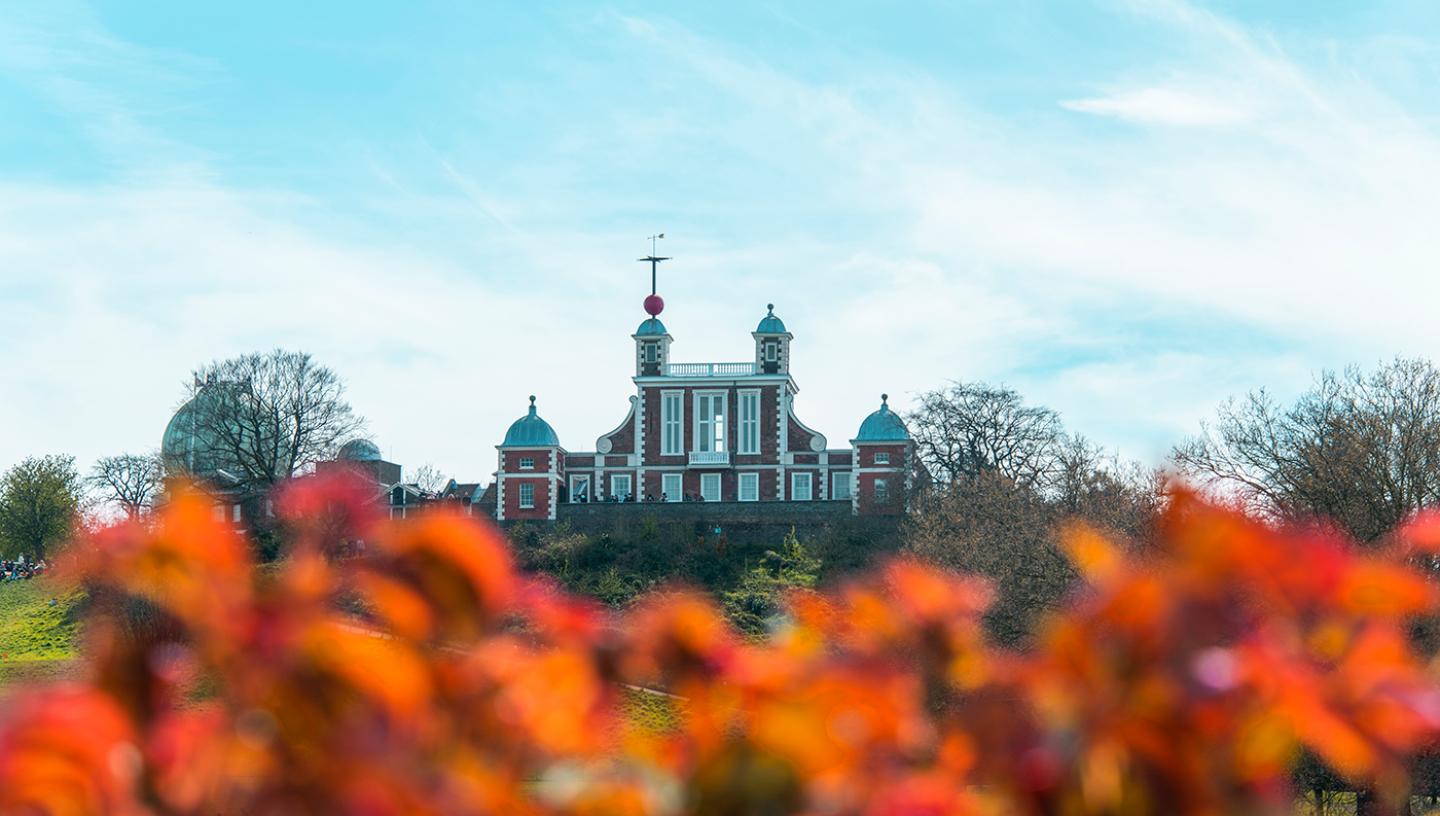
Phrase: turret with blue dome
(883, 425)
(770, 324)
(651, 328)
(772, 344)
(530, 431)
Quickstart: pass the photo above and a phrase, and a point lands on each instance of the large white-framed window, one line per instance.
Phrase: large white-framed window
(621, 486)
(527, 463)
(749, 422)
(710, 487)
(672, 423)
(882, 458)
(772, 351)
(710, 421)
(579, 488)
(749, 487)
(882, 491)
(652, 352)
(801, 487)
(840, 486)
(527, 496)
(672, 486)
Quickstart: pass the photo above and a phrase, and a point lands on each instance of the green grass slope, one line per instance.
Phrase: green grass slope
(39, 626)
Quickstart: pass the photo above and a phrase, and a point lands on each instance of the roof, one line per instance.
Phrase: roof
(460, 490)
(531, 431)
(883, 425)
(651, 328)
(192, 442)
(770, 324)
(359, 450)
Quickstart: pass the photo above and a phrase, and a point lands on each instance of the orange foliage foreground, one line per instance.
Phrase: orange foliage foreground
(1188, 684)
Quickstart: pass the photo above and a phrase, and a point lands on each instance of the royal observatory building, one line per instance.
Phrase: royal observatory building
(706, 432)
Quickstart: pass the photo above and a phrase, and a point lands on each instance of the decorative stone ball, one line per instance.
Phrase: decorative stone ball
(654, 305)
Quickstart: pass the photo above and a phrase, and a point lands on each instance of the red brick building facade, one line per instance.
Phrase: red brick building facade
(712, 432)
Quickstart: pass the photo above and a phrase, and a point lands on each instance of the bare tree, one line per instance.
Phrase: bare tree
(264, 417)
(429, 479)
(1007, 477)
(987, 526)
(128, 481)
(1361, 449)
(969, 429)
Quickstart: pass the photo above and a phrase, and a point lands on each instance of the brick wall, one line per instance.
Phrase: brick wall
(541, 510)
(511, 459)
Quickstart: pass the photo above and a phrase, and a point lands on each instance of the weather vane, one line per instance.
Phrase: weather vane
(654, 305)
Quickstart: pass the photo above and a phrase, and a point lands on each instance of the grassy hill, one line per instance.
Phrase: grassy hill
(39, 624)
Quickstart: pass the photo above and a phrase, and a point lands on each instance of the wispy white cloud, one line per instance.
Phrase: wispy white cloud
(1160, 106)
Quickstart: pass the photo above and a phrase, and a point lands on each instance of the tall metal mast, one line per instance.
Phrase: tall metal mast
(654, 260)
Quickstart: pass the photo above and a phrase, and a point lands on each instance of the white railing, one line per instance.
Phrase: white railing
(709, 369)
(709, 458)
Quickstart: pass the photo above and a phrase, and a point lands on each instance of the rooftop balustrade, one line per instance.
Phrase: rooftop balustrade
(710, 369)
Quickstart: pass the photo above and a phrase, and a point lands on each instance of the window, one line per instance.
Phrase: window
(710, 487)
(527, 463)
(882, 458)
(749, 487)
(710, 422)
(840, 486)
(579, 488)
(672, 415)
(772, 351)
(527, 496)
(882, 491)
(620, 486)
(218, 512)
(800, 487)
(235, 513)
(673, 486)
(652, 352)
(749, 421)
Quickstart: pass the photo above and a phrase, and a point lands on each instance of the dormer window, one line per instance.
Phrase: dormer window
(527, 463)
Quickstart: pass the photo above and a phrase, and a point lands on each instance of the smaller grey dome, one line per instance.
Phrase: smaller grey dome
(531, 431)
(883, 425)
(651, 328)
(770, 324)
(359, 450)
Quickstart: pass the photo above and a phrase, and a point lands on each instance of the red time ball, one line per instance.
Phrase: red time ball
(654, 305)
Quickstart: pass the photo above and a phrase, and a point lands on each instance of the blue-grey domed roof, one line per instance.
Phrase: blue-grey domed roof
(191, 442)
(531, 431)
(359, 450)
(883, 426)
(651, 328)
(770, 324)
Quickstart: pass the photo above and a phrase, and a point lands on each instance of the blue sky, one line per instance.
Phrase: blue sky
(1128, 210)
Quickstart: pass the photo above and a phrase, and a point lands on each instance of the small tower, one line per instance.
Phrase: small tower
(882, 453)
(652, 345)
(772, 344)
(532, 470)
(652, 341)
